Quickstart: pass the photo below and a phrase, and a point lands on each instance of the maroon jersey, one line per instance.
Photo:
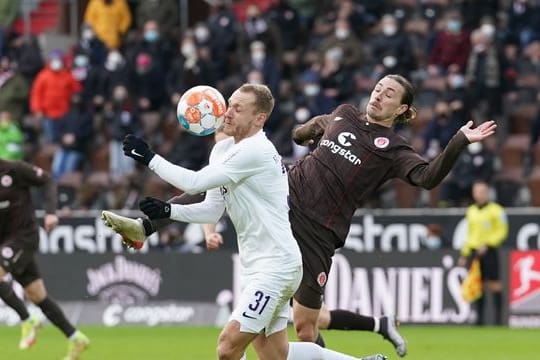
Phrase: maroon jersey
(17, 214)
(353, 158)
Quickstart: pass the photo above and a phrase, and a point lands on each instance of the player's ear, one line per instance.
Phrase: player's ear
(261, 118)
(401, 109)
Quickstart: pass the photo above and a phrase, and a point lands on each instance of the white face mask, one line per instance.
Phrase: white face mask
(312, 89)
(188, 50)
(56, 64)
(488, 30)
(202, 34)
(475, 147)
(342, 33)
(389, 61)
(302, 115)
(258, 55)
(389, 30)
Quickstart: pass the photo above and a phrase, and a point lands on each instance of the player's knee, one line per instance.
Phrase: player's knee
(306, 330)
(226, 350)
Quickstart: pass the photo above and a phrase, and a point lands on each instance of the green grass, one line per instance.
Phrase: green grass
(164, 343)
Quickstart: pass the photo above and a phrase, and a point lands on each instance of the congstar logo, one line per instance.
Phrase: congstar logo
(344, 139)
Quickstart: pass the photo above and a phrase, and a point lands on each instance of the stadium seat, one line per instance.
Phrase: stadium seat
(43, 158)
(521, 117)
(508, 183)
(406, 195)
(513, 151)
(99, 158)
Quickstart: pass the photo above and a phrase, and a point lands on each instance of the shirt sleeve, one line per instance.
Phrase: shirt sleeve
(500, 226)
(428, 175)
(208, 211)
(236, 165)
(31, 175)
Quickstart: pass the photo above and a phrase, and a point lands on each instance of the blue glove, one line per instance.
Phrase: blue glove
(136, 148)
(155, 208)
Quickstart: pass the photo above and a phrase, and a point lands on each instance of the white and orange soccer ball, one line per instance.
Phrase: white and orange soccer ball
(201, 109)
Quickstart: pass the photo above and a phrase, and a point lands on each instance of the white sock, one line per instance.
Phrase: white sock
(312, 351)
(244, 357)
(377, 326)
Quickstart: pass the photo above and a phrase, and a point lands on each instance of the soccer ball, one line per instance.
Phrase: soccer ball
(200, 110)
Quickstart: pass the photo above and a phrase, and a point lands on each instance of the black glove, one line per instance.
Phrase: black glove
(136, 148)
(155, 208)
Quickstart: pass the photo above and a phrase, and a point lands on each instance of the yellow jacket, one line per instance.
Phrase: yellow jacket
(109, 22)
(487, 225)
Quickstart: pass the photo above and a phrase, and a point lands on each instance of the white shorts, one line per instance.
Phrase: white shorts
(264, 301)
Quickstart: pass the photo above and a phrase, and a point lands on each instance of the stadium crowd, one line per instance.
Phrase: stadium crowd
(68, 110)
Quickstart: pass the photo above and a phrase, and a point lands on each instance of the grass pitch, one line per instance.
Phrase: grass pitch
(167, 343)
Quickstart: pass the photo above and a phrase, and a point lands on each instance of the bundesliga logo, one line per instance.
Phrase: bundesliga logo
(525, 282)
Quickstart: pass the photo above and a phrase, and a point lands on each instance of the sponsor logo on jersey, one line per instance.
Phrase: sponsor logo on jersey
(7, 252)
(321, 279)
(344, 139)
(6, 181)
(381, 142)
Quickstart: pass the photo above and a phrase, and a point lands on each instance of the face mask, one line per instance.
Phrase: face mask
(453, 26)
(389, 61)
(488, 30)
(80, 61)
(56, 64)
(87, 34)
(342, 33)
(202, 34)
(312, 89)
(474, 148)
(188, 50)
(258, 55)
(301, 115)
(389, 30)
(151, 35)
(254, 80)
(457, 81)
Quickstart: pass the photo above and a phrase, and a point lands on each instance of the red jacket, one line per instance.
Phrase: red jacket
(51, 92)
(451, 49)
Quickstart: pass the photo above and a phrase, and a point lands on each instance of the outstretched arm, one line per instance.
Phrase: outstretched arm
(311, 131)
(431, 174)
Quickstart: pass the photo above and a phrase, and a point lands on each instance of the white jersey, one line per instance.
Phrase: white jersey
(250, 181)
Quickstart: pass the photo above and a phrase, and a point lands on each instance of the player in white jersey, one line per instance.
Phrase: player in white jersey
(245, 176)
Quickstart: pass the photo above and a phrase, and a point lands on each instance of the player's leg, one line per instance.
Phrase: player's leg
(348, 320)
(14, 260)
(135, 231)
(35, 291)
(232, 342)
(491, 276)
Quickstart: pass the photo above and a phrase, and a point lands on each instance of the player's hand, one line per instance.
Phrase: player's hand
(136, 148)
(479, 133)
(49, 222)
(155, 208)
(213, 241)
(462, 261)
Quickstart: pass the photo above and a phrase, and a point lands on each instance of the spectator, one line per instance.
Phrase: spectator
(451, 45)
(476, 163)
(102, 79)
(11, 138)
(25, 51)
(110, 20)
(223, 29)
(13, 90)
(75, 131)
(345, 42)
(487, 230)
(523, 20)
(88, 44)
(51, 93)
(122, 119)
(259, 28)
(147, 83)
(483, 75)
(163, 12)
(392, 49)
(8, 12)
(265, 63)
(154, 42)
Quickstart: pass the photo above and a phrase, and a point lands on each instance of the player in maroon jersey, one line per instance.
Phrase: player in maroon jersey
(19, 241)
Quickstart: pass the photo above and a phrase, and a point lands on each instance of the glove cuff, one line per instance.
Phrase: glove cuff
(148, 157)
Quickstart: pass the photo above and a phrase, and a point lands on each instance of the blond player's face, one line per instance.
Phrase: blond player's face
(240, 115)
(385, 100)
